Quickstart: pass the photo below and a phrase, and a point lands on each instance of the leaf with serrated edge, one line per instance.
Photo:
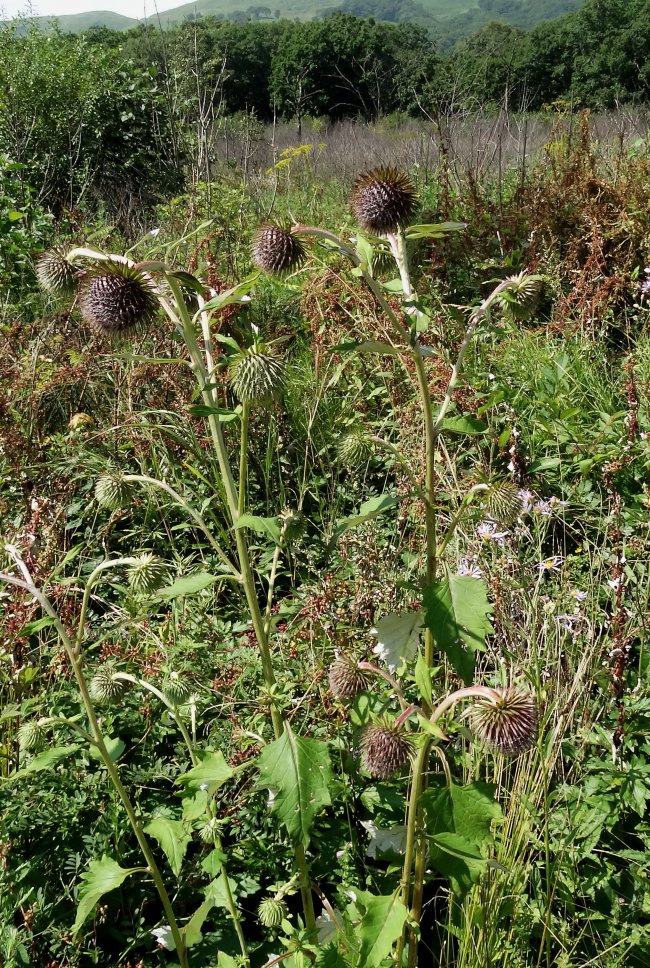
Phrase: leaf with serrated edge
(398, 636)
(44, 761)
(457, 610)
(381, 925)
(297, 771)
(173, 838)
(211, 773)
(101, 877)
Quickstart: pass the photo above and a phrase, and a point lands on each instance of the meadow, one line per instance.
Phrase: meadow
(324, 575)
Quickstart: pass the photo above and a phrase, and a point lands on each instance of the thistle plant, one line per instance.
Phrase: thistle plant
(117, 296)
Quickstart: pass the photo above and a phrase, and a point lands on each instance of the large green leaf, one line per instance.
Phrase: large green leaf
(215, 896)
(173, 838)
(459, 824)
(369, 510)
(101, 877)
(457, 610)
(211, 773)
(268, 527)
(189, 585)
(297, 772)
(382, 922)
(44, 761)
(398, 635)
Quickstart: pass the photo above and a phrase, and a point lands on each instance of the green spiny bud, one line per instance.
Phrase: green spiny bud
(112, 491)
(354, 448)
(104, 686)
(176, 687)
(31, 736)
(147, 573)
(519, 301)
(55, 274)
(257, 375)
(209, 831)
(502, 502)
(292, 524)
(271, 912)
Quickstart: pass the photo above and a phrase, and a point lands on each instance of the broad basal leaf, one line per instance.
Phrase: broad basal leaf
(211, 773)
(173, 838)
(382, 922)
(457, 610)
(297, 772)
(398, 635)
(101, 877)
(459, 824)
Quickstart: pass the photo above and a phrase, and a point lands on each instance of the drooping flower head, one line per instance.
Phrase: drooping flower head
(383, 200)
(346, 679)
(55, 274)
(276, 250)
(115, 298)
(385, 748)
(508, 722)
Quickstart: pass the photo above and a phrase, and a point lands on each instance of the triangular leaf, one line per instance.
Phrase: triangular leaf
(457, 612)
(268, 527)
(173, 838)
(189, 585)
(398, 636)
(370, 509)
(44, 761)
(211, 773)
(297, 772)
(381, 925)
(101, 877)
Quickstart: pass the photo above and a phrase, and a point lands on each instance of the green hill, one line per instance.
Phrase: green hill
(449, 18)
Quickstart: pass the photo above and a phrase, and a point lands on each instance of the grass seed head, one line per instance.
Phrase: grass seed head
(346, 679)
(116, 298)
(276, 250)
(383, 200)
(385, 749)
(508, 723)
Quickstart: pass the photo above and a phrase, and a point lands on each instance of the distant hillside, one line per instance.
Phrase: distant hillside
(448, 19)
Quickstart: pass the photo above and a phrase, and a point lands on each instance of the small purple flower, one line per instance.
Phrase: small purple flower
(577, 595)
(546, 505)
(568, 622)
(467, 568)
(645, 285)
(487, 531)
(527, 499)
(554, 563)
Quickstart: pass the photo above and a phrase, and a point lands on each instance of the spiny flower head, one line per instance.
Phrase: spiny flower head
(147, 573)
(519, 301)
(271, 912)
(31, 736)
(508, 722)
(385, 748)
(383, 200)
(354, 448)
(104, 686)
(276, 250)
(55, 274)
(115, 298)
(346, 679)
(257, 375)
(176, 687)
(112, 491)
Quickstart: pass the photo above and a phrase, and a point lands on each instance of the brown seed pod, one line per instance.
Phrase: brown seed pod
(116, 298)
(383, 200)
(276, 250)
(385, 748)
(508, 723)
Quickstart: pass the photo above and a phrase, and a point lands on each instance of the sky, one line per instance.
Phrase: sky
(56, 8)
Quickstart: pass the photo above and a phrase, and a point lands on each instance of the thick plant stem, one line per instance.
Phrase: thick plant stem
(417, 787)
(74, 656)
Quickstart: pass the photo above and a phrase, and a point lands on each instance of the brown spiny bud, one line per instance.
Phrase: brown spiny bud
(383, 200)
(385, 748)
(115, 298)
(508, 723)
(276, 250)
(346, 679)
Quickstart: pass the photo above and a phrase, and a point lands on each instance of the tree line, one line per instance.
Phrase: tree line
(85, 114)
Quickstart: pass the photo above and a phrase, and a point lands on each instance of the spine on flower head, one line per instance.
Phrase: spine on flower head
(508, 722)
(383, 200)
(116, 298)
(385, 748)
(276, 250)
